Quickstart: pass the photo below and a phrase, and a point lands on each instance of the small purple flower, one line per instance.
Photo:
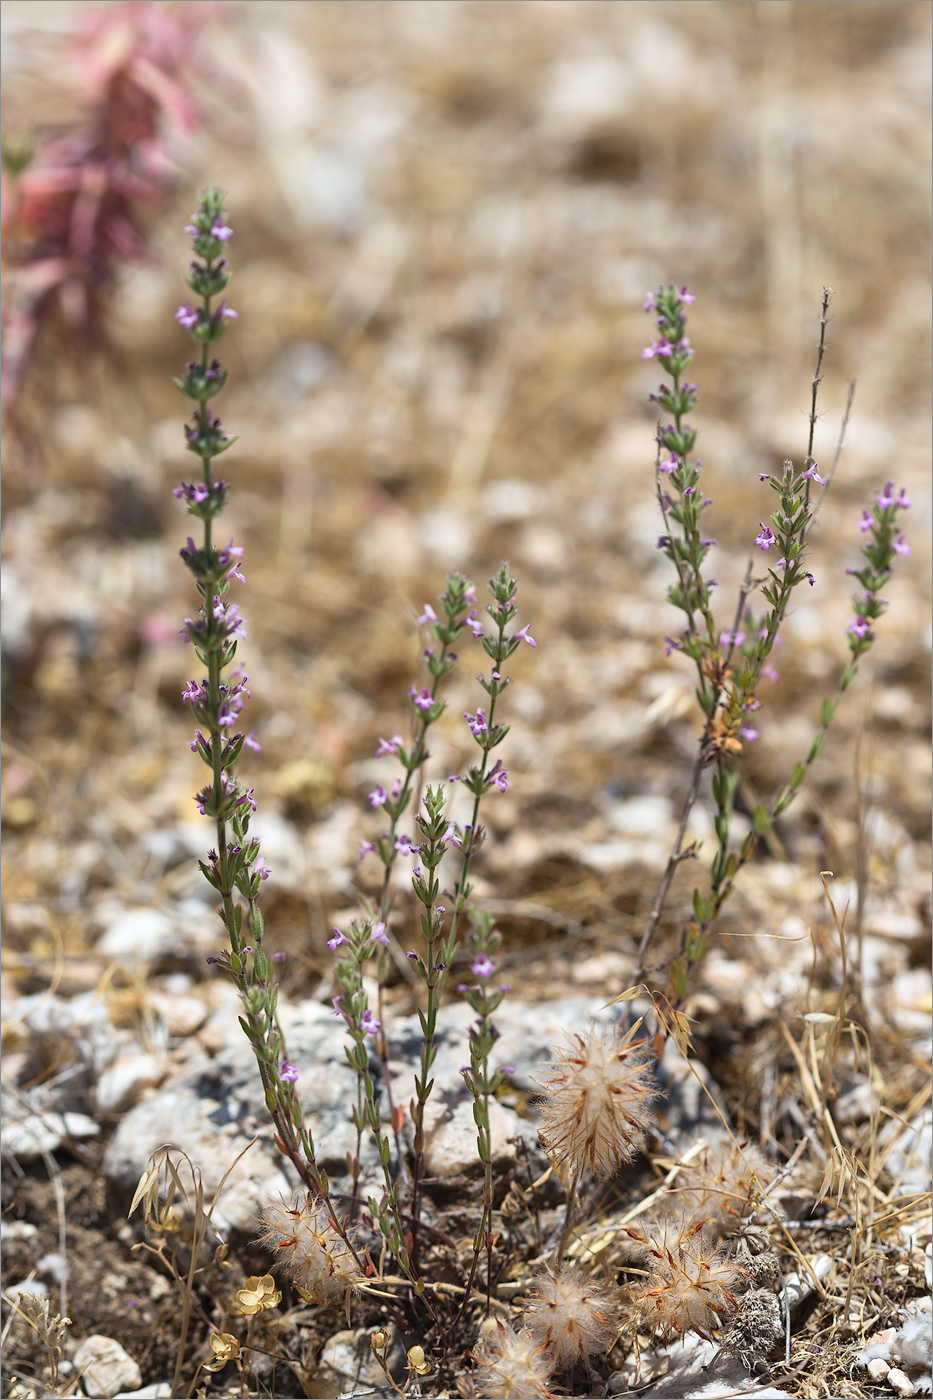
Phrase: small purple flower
(193, 693)
(731, 639)
(379, 934)
(900, 545)
(523, 635)
(475, 626)
(766, 536)
(669, 466)
(903, 501)
(748, 733)
(499, 777)
(280, 957)
(663, 541)
(657, 347)
(686, 297)
(388, 745)
(811, 474)
(708, 543)
(337, 941)
(429, 615)
(462, 987)
(186, 316)
(810, 579)
(483, 966)
(364, 849)
(769, 673)
(507, 1070)
(478, 722)
(404, 846)
(224, 312)
(424, 700)
(650, 302)
(859, 627)
(378, 797)
(368, 1023)
(450, 837)
(260, 868)
(866, 521)
(338, 1009)
(288, 1073)
(765, 476)
(887, 498)
(221, 231)
(251, 742)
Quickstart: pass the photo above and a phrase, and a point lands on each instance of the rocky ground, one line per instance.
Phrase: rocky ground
(447, 217)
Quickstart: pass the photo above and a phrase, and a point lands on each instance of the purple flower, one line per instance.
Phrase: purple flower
(462, 988)
(748, 733)
(731, 639)
(650, 302)
(364, 848)
(280, 957)
(404, 846)
(499, 777)
(766, 537)
(224, 311)
(378, 797)
(186, 316)
(859, 627)
(478, 723)
(810, 579)
(368, 1023)
(900, 545)
(764, 476)
(221, 231)
(866, 521)
(288, 1073)
(379, 934)
(811, 474)
(475, 626)
(903, 501)
(260, 868)
(657, 347)
(388, 745)
(429, 615)
(193, 693)
(708, 543)
(887, 498)
(450, 837)
(338, 1009)
(337, 941)
(522, 635)
(669, 466)
(424, 700)
(685, 296)
(483, 966)
(769, 672)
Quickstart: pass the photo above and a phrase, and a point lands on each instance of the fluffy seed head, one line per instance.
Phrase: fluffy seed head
(690, 1279)
(722, 1183)
(309, 1250)
(753, 1333)
(595, 1107)
(513, 1366)
(575, 1317)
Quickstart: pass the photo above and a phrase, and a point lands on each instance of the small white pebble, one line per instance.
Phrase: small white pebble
(899, 1382)
(878, 1368)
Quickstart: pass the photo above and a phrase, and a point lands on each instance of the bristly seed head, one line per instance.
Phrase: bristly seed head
(310, 1250)
(575, 1317)
(513, 1366)
(595, 1112)
(690, 1280)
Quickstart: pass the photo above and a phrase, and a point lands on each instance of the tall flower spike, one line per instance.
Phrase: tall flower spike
(594, 1113)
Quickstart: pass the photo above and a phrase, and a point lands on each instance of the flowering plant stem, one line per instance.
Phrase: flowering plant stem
(235, 868)
(731, 666)
(439, 833)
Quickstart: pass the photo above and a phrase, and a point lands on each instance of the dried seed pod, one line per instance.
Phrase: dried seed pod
(595, 1106)
(722, 1184)
(309, 1249)
(574, 1316)
(512, 1365)
(691, 1281)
